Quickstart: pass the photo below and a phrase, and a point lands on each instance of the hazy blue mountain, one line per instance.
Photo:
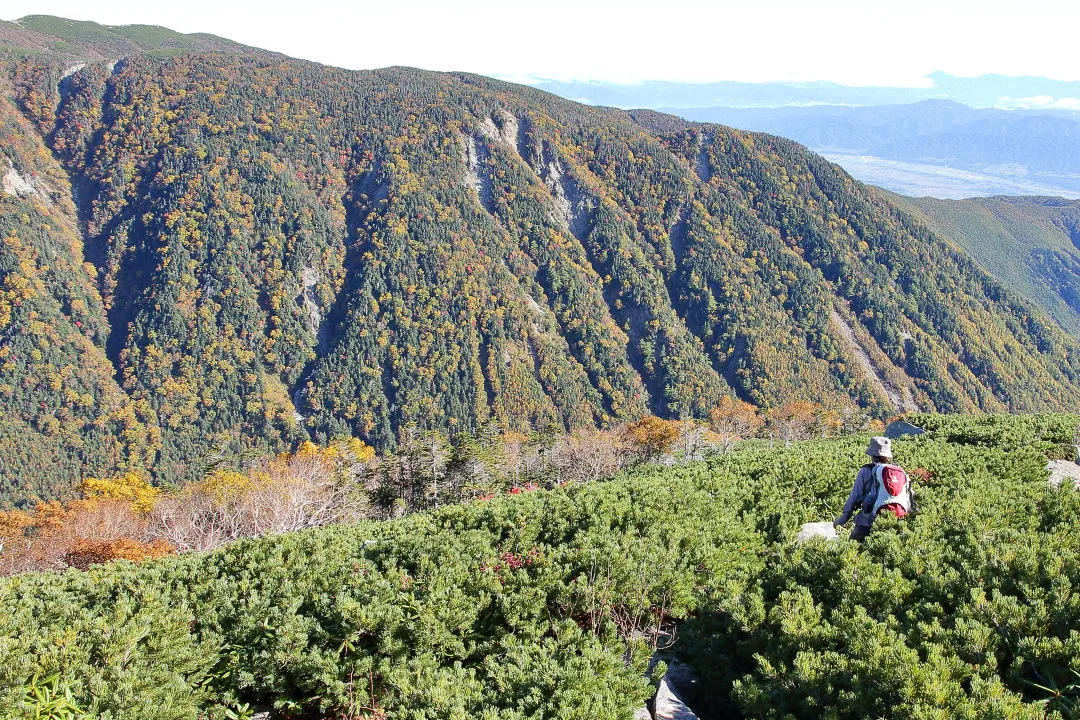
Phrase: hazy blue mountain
(980, 92)
(936, 147)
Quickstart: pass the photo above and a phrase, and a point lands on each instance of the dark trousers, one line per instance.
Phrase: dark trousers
(859, 532)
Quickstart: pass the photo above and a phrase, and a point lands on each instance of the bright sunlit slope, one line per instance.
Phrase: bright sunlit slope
(252, 250)
(1030, 243)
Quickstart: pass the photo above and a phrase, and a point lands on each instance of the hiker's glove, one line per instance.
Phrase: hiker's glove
(839, 522)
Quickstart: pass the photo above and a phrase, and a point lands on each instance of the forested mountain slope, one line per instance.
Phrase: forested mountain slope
(215, 250)
(1032, 244)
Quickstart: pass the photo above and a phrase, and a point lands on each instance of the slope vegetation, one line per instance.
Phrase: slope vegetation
(1032, 244)
(81, 40)
(548, 604)
(272, 250)
(64, 414)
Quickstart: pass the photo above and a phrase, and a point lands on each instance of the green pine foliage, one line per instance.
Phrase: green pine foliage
(541, 605)
(963, 611)
(64, 415)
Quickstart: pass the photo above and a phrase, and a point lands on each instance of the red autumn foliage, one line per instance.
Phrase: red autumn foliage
(922, 475)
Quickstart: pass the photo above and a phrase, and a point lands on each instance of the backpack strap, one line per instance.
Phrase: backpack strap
(867, 503)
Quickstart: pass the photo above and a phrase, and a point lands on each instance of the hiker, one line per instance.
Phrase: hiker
(880, 486)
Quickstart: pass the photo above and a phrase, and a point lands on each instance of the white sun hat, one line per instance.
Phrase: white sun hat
(880, 447)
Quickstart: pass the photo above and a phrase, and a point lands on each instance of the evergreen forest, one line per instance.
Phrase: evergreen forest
(207, 250)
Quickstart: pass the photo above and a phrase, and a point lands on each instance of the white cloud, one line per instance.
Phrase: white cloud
(1035, 101)
(1038, 102)
(520, 79)
(1066, 103)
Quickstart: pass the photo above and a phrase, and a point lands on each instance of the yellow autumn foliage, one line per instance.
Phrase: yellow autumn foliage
(131, 487)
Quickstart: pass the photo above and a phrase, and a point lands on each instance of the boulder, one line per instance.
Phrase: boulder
(813, 530)
(901, 428)
(669, 705)
(1062, 471)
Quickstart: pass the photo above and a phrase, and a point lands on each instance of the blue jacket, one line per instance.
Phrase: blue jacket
(864, 484)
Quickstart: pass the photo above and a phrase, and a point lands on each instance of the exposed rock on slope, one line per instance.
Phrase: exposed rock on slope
(1063, 471)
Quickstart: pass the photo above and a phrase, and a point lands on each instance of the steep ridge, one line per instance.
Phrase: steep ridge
(280, 250)
(81, 41)
(64, 414)
(1032, 244)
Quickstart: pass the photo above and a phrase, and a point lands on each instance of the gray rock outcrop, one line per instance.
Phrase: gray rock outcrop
(1063, 471)
(813, 530)
(901, 428)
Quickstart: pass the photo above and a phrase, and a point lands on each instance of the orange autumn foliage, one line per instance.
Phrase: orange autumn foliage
(653, 436)
(45, 538)
(85, 553)
(733, 419)
(796, 420)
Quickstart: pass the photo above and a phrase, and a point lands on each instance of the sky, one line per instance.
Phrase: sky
(852, 42)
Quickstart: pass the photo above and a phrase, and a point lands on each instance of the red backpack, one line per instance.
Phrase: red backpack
(894, 479)
(893, 491)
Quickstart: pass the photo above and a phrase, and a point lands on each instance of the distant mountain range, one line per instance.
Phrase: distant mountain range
(935, 147)
(954, 139)
(985, 91)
